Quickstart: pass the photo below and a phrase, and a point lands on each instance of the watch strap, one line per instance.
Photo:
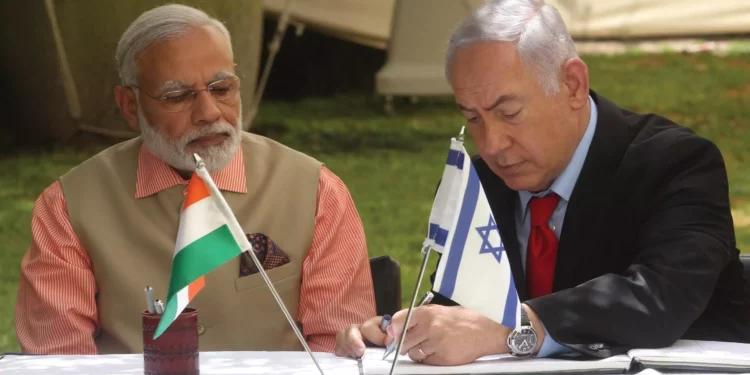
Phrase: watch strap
(525, 322)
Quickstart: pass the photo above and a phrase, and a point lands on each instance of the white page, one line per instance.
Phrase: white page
(697, 352)
(374, 364)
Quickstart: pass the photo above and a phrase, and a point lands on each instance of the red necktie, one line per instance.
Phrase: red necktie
(541, 252)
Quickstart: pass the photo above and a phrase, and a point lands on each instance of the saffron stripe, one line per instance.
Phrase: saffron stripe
(465, 218)
(196, 287)
(196, 191)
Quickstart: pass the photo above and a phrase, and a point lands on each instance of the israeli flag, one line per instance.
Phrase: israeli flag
(474, 270)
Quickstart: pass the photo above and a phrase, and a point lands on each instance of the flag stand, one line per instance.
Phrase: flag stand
(426, 250)
(224, 207)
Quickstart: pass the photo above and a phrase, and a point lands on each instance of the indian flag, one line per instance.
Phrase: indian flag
(208, 236)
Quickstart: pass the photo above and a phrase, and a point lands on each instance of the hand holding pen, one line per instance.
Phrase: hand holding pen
(392, 346)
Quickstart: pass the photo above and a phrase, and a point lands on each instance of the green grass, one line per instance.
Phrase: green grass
(392, 163)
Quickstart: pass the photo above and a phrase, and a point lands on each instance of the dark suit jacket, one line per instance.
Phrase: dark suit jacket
(647, 254)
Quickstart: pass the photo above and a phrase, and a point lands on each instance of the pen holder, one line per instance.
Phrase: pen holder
(176, 350)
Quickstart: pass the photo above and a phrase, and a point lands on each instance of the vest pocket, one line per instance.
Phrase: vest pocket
(276, 275)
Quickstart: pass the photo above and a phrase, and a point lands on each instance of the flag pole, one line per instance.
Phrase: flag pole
(425, 259)
(426, 248)
(237, 229)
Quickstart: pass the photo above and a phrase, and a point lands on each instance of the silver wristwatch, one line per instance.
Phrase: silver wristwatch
(522, 340)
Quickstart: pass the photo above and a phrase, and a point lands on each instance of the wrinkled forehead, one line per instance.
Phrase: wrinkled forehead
(482, 72)
(197, 58)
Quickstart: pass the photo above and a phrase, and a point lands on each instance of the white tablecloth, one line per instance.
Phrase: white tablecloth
(281, 363)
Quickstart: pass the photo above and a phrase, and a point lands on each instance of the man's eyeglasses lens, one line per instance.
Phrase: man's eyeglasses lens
(225, 91)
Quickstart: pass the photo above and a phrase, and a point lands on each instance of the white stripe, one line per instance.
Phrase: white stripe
(221, 206)
(447, 200)
(457, 196)
(482, 282)
(182, 300)
(198, 220)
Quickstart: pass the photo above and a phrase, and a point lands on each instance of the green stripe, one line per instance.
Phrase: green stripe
(195, 260)
(201, 257)
(169, 316)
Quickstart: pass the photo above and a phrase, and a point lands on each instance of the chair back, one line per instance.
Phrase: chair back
(386, 279)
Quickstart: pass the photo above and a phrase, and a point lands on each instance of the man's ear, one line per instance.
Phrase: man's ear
(576, 79)
(128, 104)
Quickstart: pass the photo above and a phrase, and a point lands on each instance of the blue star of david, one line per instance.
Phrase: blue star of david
(487, 247)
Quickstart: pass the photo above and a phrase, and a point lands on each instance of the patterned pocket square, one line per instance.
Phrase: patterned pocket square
(268, 253)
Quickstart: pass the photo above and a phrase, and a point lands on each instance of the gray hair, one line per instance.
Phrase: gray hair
(155, 26)
(535, 28)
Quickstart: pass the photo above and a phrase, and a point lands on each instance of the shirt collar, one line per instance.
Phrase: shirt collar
(154, 175)
(564, 184)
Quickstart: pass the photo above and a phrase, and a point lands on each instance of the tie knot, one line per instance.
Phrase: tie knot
(542, 209)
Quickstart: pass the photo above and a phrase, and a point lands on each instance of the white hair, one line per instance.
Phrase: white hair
(155, 26)
(536, 29)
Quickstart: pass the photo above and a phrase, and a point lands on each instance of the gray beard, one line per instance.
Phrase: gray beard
(174, 152)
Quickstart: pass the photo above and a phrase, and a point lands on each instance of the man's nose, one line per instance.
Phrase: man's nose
(496, 140)
(205, 109)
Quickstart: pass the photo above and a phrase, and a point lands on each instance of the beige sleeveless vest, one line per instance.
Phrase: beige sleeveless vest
(131, 243)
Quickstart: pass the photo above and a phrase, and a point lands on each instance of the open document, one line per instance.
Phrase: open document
(683, 355)
(374, 364)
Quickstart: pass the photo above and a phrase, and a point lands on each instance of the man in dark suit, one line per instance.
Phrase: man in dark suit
(617, 225)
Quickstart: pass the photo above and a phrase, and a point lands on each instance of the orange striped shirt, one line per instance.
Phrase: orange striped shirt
(56, 310)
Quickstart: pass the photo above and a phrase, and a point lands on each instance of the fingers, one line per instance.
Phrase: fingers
(419, 324)
(415, 336)
(397, 322)
(349, 343)
(370, 331)
(417, 354)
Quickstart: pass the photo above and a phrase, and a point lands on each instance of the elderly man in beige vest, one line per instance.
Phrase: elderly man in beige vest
(107, 228)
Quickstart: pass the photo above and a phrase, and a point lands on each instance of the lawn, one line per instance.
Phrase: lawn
(392, 163)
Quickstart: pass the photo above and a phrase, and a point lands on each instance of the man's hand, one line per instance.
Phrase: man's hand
(440, 335)
(351, 341)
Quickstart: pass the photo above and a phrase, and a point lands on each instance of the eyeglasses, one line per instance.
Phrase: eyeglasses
(226, 91)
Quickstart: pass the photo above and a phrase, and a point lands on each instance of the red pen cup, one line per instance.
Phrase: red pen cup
(176, 350)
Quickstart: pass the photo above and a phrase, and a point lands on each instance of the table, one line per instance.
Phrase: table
(224, 363)
(281, 363)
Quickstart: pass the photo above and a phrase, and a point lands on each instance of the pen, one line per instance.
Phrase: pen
(150, 300)
(159, 307)
(392, 346)
(385, 322)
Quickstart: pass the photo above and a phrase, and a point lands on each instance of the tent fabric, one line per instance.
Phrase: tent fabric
(655, 18)
(417, 51)
(368, 22)
(365, 22)
(415, 32)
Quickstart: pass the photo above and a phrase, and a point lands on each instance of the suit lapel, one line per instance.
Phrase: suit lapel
(591, 190)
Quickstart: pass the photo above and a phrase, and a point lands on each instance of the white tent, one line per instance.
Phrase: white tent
(415, 32)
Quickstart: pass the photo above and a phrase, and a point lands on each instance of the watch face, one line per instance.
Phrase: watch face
(523, 341)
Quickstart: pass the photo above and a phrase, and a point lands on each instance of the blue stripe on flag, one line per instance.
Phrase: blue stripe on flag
(433, 230)
(437, 234)
(511, 301)
(459, 237)
(455, 158)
